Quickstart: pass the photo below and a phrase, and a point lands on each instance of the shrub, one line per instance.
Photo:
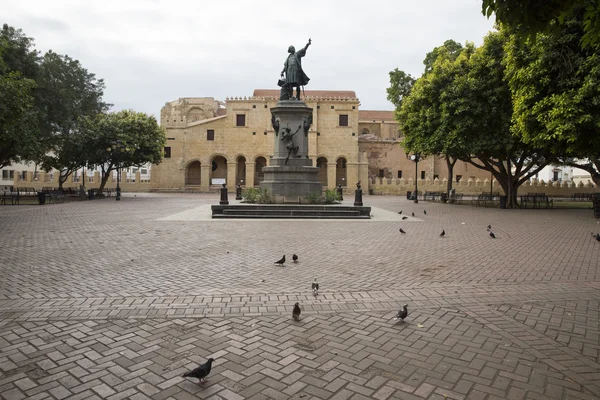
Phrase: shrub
(250, 195)
(314, 198)
(264, 197)
(332, 196)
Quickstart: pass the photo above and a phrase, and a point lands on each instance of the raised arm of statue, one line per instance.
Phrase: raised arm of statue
(307, 44)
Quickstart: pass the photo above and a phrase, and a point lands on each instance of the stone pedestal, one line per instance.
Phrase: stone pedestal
(290, 172)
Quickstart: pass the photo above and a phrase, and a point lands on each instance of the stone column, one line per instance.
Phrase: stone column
(353, 177)
(250, 168)
(205, 177)
(331, 174)
(231, 173)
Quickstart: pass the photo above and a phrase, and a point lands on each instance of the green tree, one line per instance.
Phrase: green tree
(15, 103)
(18, 69)
(483, 114)
(66, 93)
(530, 17)
(450, 49)
(424, 120)
(462, 109)
(401, 84)
(555, 84)
(142, 138)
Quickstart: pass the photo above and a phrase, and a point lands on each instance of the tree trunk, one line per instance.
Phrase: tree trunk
(62, 179)
(103, 181)
(450, 164)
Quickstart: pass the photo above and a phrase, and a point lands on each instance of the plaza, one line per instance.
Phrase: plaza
(116, 300)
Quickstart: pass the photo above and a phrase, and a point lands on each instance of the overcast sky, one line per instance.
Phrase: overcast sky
(153, 51)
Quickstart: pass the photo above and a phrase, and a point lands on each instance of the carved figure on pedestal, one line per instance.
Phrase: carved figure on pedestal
(275, 123)
(294, 74)
(288, 136)
(307, 123)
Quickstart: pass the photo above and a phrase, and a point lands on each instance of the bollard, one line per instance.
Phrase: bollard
(238, 192)
(358, 195)
(224, 200)
(340, 192)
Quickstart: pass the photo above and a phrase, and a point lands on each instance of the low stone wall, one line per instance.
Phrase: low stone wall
(43, 179)
(399, 187)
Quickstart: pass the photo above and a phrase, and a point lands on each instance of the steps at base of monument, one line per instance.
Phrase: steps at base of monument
(290, 211)
(283, 216)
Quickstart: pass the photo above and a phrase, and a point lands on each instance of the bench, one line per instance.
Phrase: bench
(484, 198)
(12, 197)
(581, 197)
(536, 200)
(456, 198)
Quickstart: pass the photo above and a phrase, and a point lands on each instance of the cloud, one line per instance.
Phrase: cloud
(151, 52)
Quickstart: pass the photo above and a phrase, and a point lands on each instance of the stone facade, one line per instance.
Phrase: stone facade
(212, 142)
(235, 140)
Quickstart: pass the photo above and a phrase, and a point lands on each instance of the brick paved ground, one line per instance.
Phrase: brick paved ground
(109, 300)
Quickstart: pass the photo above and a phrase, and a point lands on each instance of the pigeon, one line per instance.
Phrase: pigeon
(404, 218)
(201, 372)
(489, 228)
(402, 231)
(295, 258)
(413, 214)
(425, 212)
(315, 289)
(280, 262)
(443, 233)
(402, 313)
(492, 235)
(598, 237)
(296, 312)
(399, 212)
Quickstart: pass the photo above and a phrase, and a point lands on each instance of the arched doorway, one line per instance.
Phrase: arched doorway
(259, 175)
(322, 164)
(341, 177)
(240, 173)
(193, 174)
(218, 172)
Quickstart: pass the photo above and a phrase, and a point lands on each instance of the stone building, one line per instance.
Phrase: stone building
(211, 142)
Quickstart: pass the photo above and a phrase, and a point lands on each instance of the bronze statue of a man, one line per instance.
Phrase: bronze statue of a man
(294, 75)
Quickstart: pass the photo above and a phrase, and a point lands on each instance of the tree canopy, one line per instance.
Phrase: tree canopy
(462, 108)
(555, 84)
(530, 17)
(141, 137)
(18, 65)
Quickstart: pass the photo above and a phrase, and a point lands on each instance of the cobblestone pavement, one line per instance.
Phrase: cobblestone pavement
(112, 300)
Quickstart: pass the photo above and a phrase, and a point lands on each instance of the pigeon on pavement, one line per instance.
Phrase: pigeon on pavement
(489, 227)
(201, 372)
(402, 313)
(296, 312)
(598, 237)
(443, 233)
(281, 262)
(295, 258)
(400, 212)
(425, 212)
(402, 231)
(413, 214)
(315, 287)
(492, 235)
(404, 218)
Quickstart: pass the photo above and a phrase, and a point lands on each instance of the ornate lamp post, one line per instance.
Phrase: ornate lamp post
(117, 148)
(416, 158)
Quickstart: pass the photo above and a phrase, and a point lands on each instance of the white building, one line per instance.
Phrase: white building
(563, 173)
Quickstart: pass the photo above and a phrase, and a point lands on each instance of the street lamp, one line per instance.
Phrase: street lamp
(117, 147)
(416, 158)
